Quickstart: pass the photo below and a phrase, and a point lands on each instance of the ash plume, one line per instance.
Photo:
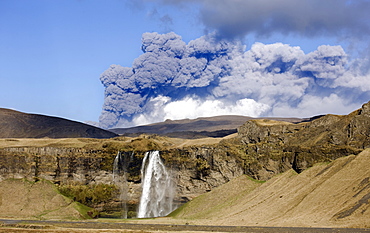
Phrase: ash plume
(209, 76)
(307, 18)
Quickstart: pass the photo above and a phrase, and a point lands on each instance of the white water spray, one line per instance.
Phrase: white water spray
(120, 179)
(158, 191)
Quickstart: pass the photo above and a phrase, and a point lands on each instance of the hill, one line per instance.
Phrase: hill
(14, 124)
(216, 127)
(326, 195)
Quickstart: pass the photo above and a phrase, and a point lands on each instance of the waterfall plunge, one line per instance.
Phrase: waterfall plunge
(157, 195)
(120, 178)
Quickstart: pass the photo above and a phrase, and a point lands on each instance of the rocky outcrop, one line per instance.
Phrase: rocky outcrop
(60, 165)
(200, 169)
(273, 147)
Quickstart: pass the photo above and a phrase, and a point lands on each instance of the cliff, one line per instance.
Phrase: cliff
(272, 147)
(195, 170)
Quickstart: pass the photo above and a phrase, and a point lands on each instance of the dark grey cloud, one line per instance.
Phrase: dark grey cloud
(214, 75)
(165, 20)
(309, 18)
(175, 80)
(170, 68)
(304, 17)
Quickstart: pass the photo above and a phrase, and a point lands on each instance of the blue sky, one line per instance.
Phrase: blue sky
(52, 52)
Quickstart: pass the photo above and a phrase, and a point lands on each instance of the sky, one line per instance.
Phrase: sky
(53, 52)
(56, 57)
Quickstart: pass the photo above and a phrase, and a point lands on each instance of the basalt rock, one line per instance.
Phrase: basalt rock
(200, 169)
(194, 170)
(273, 147)
(60, 165)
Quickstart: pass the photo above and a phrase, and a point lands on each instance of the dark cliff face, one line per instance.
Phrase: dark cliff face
(66, 165)
(273, 147)
(200, 169)
(195, 170)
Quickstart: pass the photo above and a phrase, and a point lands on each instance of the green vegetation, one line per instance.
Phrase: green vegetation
(40, 199)
(89, 194)
(256, 181)
(85, 211)
(144, 144)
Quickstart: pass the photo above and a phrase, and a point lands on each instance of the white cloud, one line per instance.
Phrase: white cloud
(163, 108)
(315, 105)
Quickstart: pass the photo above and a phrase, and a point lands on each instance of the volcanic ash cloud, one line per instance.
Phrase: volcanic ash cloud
(208, 76)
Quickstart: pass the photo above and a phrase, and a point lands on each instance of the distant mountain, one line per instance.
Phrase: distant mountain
(14, 124)
(217, 126)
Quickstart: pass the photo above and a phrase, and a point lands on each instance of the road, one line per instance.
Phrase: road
(35, 224)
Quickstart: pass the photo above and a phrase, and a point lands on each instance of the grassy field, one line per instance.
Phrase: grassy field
(89, 143)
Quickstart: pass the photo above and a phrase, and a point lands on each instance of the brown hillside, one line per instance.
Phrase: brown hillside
(326, 195)
(14, 124)
(37, 200)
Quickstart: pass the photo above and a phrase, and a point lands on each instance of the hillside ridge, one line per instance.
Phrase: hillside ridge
(215, 126)
(15, 124)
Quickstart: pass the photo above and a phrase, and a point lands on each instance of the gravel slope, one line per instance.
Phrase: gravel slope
(326, 195)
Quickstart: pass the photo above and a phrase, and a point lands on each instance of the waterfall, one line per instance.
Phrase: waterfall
(120, 165)
(157, 187)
